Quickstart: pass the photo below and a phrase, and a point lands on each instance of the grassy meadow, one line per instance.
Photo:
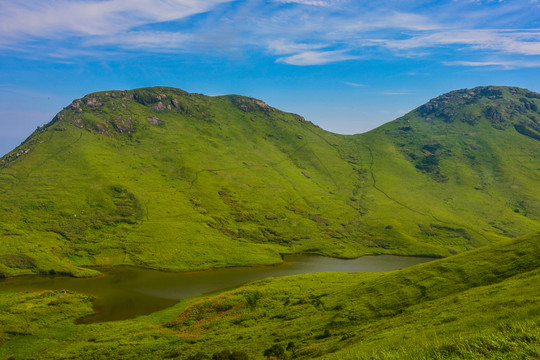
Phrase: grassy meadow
(482, 304)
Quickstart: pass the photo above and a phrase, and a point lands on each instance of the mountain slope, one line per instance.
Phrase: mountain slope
(459, 166)
(161, 178)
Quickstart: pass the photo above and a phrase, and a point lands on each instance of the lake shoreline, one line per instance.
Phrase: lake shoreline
(123, 292)
(168, 270)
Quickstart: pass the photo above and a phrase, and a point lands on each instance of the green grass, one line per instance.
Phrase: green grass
(164, 179)
(480, 304)
(223, 181)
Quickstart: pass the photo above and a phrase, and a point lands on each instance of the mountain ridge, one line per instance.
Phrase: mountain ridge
(161, 178)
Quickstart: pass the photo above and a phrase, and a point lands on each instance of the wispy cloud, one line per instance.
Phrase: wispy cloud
(389, 20)
(505, 64)
(58, 18)
(324, 3)
(524, 42)
(283, 47)
(317, 57)
(354, 84)
(148, 40)
(294, 32)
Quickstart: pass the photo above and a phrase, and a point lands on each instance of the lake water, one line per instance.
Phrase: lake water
(126, 292)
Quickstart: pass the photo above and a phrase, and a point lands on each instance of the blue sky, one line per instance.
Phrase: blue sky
(348, 66)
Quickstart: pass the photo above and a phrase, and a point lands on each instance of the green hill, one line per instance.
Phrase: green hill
(482, 304)
(161, 178)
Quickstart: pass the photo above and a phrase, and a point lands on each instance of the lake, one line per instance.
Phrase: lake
(125, 292)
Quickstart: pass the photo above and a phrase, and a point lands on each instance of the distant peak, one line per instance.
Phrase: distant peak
(489, 92)
(246, 103)
(502, 106)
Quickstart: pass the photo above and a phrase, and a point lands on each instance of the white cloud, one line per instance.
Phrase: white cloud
(390, 20)
(317, 57)
(314, 32)
(506, 64)
(323, 3)
(148, 40)
(60, 17)
(523, 42)
(282, 47)
(354, 84)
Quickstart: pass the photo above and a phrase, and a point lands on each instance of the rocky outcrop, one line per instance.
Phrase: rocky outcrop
(92, 101)
(154, 120)
(160, 107)
(75, 106)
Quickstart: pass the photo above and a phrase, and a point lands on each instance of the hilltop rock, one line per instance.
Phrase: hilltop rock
(92, 101)
(248, 104)
(76, 106)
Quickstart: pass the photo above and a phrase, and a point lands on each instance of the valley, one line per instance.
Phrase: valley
(158, 179)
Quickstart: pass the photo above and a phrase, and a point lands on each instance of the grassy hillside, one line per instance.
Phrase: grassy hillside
(458, 171)
(161, 178)
(480, 304)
